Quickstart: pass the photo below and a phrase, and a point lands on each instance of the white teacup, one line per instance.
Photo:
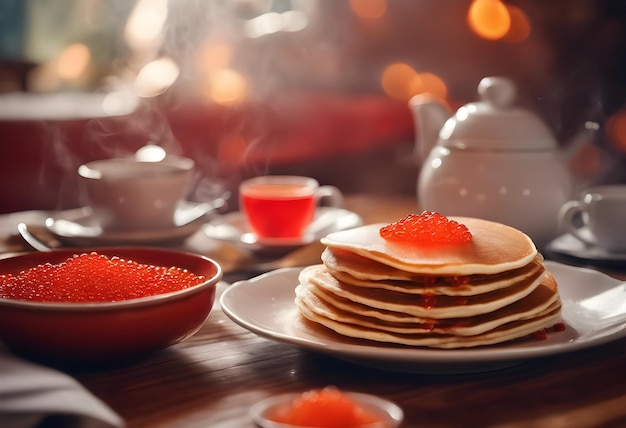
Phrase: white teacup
(129, 194)
(598, 218)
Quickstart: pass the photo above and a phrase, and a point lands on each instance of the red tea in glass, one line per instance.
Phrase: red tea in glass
(282, 206)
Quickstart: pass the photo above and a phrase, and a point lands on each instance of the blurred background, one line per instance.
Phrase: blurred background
(313, 87)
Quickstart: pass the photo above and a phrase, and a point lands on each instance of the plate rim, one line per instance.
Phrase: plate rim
(423, 355)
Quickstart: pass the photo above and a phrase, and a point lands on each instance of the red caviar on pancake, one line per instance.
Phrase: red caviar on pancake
(94, 278)
(428, 228)
(325, 408)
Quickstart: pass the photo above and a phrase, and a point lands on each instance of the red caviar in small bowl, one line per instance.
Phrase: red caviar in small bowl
(93, 277)
(103, 306)
(327, 408)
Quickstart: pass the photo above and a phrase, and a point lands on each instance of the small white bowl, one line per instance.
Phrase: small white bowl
(391, 415)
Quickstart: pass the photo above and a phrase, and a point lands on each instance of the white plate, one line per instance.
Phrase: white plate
(80, 227)
(265, 306)
(232, 227)
(571, 246)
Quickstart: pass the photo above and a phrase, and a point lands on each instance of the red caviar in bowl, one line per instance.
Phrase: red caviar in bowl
(92, 277)
(325, 408)
(428, 228)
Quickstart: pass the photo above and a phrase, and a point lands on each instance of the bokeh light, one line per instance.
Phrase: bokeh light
(398, 79)
(432, 84)
(616, 129)
(273, 22)
(369, 9)
(401, 82)
(156, 77)
(226, 87)
(489, 19)
(520, 25)
(73, 61)
(145, 23)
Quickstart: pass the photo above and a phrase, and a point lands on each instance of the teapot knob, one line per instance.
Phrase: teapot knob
(500, 92)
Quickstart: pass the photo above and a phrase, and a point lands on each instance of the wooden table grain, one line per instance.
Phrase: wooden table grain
(212, 379)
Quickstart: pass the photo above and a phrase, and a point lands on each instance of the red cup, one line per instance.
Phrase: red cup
(283, 206)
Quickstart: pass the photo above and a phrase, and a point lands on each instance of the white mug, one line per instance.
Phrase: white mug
(598, 218)
(129, 194)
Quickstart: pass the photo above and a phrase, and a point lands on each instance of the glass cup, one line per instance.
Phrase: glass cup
(283, 206)
(598, 218)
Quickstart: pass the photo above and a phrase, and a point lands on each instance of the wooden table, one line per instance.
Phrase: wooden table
(212, 379)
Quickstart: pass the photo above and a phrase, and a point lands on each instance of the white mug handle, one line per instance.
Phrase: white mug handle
(330, 195)
(569, 212)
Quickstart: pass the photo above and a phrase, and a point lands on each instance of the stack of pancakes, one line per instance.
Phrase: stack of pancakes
(491, 290)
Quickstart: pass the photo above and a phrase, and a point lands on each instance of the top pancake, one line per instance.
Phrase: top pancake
(494, 248)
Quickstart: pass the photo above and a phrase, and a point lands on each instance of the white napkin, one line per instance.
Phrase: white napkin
(31, 395)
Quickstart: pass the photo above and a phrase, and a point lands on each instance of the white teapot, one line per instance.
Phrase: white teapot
(492, 160)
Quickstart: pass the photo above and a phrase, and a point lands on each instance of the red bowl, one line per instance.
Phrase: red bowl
(107, 332)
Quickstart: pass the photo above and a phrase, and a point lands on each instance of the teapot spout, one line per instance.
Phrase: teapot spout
(585, 136)
(429, 115)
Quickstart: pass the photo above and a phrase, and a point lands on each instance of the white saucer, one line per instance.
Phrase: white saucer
(80, 227)
(594, 311)
(569, 245)
(232, 227)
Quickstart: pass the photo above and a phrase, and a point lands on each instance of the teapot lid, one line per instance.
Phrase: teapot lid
(494, 123)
